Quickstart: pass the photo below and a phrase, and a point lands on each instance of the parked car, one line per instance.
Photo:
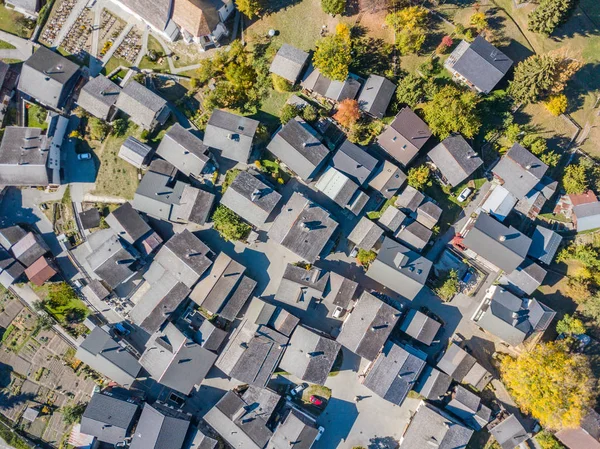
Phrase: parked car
(298, 389)
(84, 156)
(316, 401)
(464, 195)
(121, 329)
(338, 312)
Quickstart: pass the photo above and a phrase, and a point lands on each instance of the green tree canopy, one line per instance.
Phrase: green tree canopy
(333, 7)
(534, 78)
(250, 8)
(333, 56)
(409, 25)
(575, 179)
(418, 177)
(410, 90)
(549, 14)
(229, 225)
(453, 110)
(570, 325)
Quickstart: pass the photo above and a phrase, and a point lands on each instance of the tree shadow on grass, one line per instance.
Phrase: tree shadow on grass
(583, 83)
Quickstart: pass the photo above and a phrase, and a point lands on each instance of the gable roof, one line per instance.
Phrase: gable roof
(299, 285)
(184, 150)
(510, 433)
(11, 235)
(90, 218)
(230, 133)
(376, 95)
(428, 214)
(337, 186)
(251, 198)
(194, 207)
(544, 244)
(499, 203)
(156, 13)
(414, 235)
(109, 259)
(140, 103)
(400, 269)
(365, 234)
(431, 424)
(316, 82)
(394, 372)
(388, 179)
(405, 136)
(297, 431)
(98, 96)
(420, 327)
(505, 247)
(455, 159)
(310, 356)
(433, 384)
(468, 407)
(520, 170)
(24, 157)
(526, 278)
(109, 417)
(341, 291)
(354, 162)
(409, 200)
(586, 435)
(158, 429)
(299, 147)
(289, 63)
(587, 216)
(303, 227)
(158, 190)
(127, 223)
(176, 361)
(462, 367)
(197, 17)
(391, 219)
(368, 326)
(40, 271)
(480, 63)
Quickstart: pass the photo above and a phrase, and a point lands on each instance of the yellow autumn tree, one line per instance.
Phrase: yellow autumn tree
(557, 104)
(552, 384)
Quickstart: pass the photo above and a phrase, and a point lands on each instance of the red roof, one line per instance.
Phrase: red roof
(40, 271)
(583, 198)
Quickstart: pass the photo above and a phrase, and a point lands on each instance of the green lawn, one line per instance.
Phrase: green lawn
(60, 301)
(114, 63)
(10, 22)
(154, 45)
(271, 108)
(36, 116)
(6, 46)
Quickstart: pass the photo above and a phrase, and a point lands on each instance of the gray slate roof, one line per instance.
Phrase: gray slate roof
(415, 236)
(455, 159)
(365, 234)
(433, 384)
(376, 95)
(544, 244)
(428, 214)
(525, 279)
(409, 200)
(231, 134)
(184, 150)
(354, 162)
(24, 157)
(299, 286)
(391, 219)
(98, 96)
(289, 63)
(236, 301)
(341, 291)
(337, 186)
(296, 431)
(195, 206)
(420, 327)
(310, 356)
(175, 361)
(109, 417)
(394, 372)
(29, 248)
(48, 77)
(505, 247)
(303, 227)
(158, 429)
(299, 147)
(509, 433)
(90, 218)
(405, 136)
(128, 224)
(314, 81)
(388, 179)
(141, 104)
(110, 260)
(587, 216)
(463, 367)
(468, 407)
(400, 269)
(368, 326)
(480, 63)
(156, 13)
(431, 424)
(11, 235)
(158, 191)
(520, 170)
(251, 198)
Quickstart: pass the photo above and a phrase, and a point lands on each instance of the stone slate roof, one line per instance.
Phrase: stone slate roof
(431, 424)
(184, 150)
(525, 279)
(337, 187)
(455, 159)
(90, 218)
(140, 103)
(48, 77)
(29, 249)
(544, 244)
(376, 95)
(468, 407)
(520, 171)
(354, 162)
(109, 259)
(365, 234)
(463, 367)
(176, 361)
(109, 417)
(98, 96)
(310, 356)
(400, 269)
(135, 152)
(510, 433)
(24, 157)
(231, 134)
(368, 327)
(428, 214)
(238, 299)
(297, 431)
(11, 235)
(433, 384)
(391, 219)
(303, 227)
(388, 179)
(156, 13)
(415, 236)
(409, 200)
(158, 428)
(251, 198)
(314, 81)
(482, 64)
(405, 136)
(195, 206)
(299, 147)
(505, 247)
(289, 62)
(128, 224)
(420, 327)
(158, 190)
(299, 286)
(341, 291)
(394, 372)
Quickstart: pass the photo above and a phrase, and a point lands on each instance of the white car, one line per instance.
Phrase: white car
(299, 389)
(338, 312)
(84, 156)
(464, 194)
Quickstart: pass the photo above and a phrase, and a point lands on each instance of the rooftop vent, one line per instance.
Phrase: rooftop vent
(255, 195)
(502, 238)
(528, 167)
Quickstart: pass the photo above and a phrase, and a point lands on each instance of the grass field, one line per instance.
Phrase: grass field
(69, 301)
(9, 22)
(6, 46)
(35, 116)
(155, 46)
(115, 176)
(113, 63)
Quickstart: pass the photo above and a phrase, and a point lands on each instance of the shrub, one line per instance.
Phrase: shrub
(548, 441)
(309, 113)
(119, 127)
(348, 113)
(229, 225)
(418, 177)
(557, 104)
(288, 112)
(448, 286)
(280, 84)
(333, 7)
(366, 258)
(570, 325)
